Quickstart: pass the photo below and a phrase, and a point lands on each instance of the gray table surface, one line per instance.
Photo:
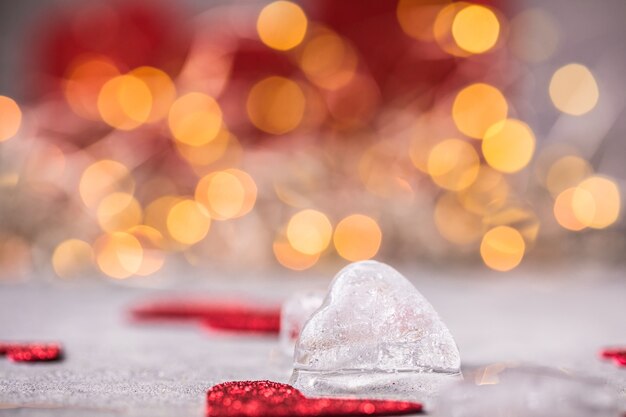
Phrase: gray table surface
(560, 318)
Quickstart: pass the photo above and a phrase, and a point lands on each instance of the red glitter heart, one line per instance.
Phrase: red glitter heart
(216, 315)
(617, 355)
(31, 352)
(266, 398)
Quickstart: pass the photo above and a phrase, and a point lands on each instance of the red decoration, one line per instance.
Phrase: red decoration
(216, 315)
(31, 352)
(617, 355)
(266, 398)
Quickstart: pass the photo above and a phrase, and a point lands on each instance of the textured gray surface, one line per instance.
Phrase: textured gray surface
(114, 367)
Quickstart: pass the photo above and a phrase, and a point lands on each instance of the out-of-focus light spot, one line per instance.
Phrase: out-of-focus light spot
(442, 29)
(188, 222)
(227, 194)
(453, 164)
(477, 107)
(103, 178)
(309, 232)
(416, 17)
(574, 90)
(71, 258)
(564, 210)
(161, 88)
(119, 254)
(568, 171)
(118, 211)
(533, 35)
(10, 118)
(282, 25)
(125, 102)
(476, 29)
(597, 202)
(84, 82)
(502, 248)
(152, 244)
(357, 237)
(156, 213)
(201, 156)
(508, 146)
(290, 258)
(516, 214)
(328, 60)
(276, 105)
(488, 191)
(456, 224)
(195, 119)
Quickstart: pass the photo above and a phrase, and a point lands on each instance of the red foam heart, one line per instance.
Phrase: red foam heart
(617, 355)
(266, 398)
(31, 352)
(216, 315)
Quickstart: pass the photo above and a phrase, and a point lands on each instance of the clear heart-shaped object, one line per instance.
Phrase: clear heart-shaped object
(374, 335)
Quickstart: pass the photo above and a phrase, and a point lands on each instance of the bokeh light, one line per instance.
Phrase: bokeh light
(573, 89)
(125, 102)
(152, 243)
(508, 146)
(118, 255)
(118, 211)
(290, 258)
(502, 248)
(328, 60)
(195, 119)
(10, 118)
(276, 105)
(597, 202)
(442, 29)
(227, 194)
(567, 171)
(309, 231)
(84, 81)
(477, 107)
(564, 209)
(357, 237)
(417, 17)
(282, 25)
(188, 222)
(453, 164)
(475, 29)
(162, 91)
(72, 258)
(103, 178)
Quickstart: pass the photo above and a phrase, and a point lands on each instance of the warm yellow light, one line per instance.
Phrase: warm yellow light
(456, 224)
(119, 254)
(309, 232)
(152, 244)
(291, 258)
(84, 82)
(597, 202)
(71, 258)
(161, 88)
(453, 164)
(328, 60)
(125, 102)
(188, 222)
(156, 213)
(227, 194)
(564, 210)
(201, 156)
(195, 119)
(416, 17)
(276, 105)
(488, 192)
(442, 28)
(282, 25)
(118, 211)
(103, 178)
(502, 248)
(568, 171)
(574, 90)
(508, 146)
(477, 107)
(475, 29)
(357, 237)
(10, 118)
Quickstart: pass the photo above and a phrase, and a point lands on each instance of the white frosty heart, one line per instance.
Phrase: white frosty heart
(374, 334)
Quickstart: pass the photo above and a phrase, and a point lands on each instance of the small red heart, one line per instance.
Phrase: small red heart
(216, 315)
(617, 355)
(266, 398)
(31, 352)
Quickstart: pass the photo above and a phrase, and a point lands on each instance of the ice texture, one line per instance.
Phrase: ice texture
(295, 311)
(374, 335)
(528, 392)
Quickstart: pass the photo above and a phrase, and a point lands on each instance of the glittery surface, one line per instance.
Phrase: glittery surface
(266, 398)
(617, 355)
(31, 352)
(234, 316)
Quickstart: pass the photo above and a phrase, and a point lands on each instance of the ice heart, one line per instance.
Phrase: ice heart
(266, 398)
(374, 335)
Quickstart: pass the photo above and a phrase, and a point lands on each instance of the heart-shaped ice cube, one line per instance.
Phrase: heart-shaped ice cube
(374, 335)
